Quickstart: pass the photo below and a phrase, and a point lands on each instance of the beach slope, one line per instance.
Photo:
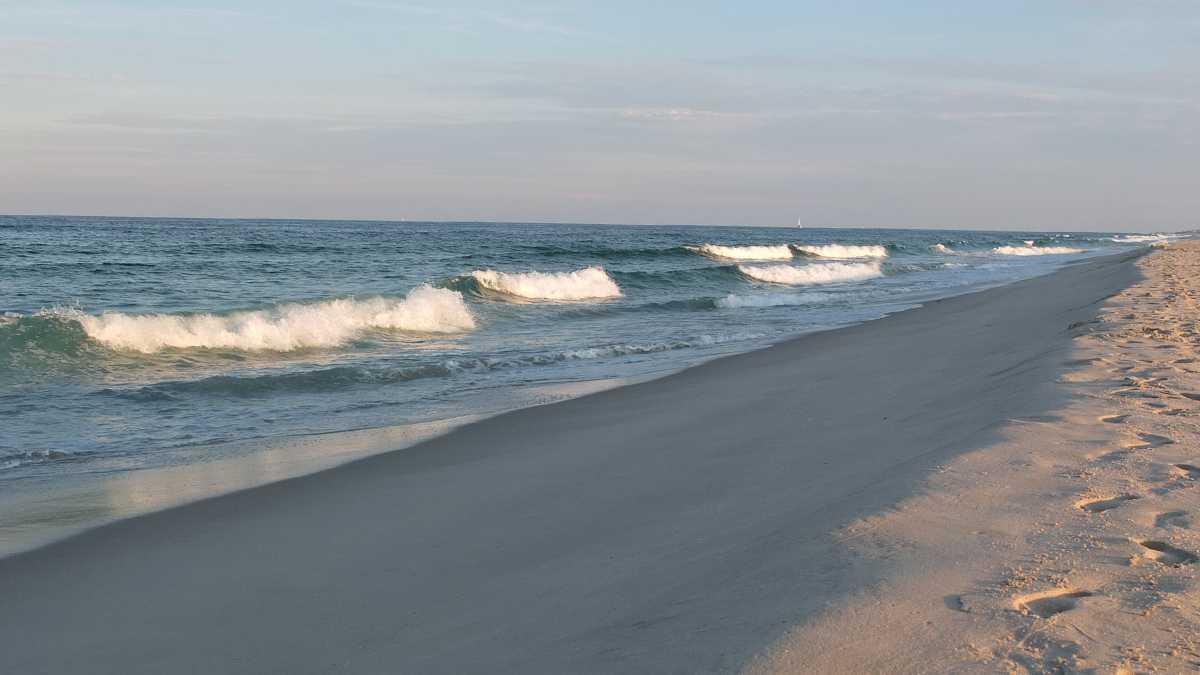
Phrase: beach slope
(680, 525)
(1068, 545)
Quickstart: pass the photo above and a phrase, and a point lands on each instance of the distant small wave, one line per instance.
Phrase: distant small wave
(263, 384)
(605, 252)
(1030, 249)
(781, 252)
(285, 328)
(681, 278)
(1138, 238)
(825, 273)
(844, 251)
(585, 284)
(12, 460)
(603, 351)
(735, 301)
(337, 378)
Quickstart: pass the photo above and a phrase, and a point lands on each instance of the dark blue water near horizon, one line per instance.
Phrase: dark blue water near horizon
(129, 343)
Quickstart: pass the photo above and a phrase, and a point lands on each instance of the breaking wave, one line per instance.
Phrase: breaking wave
(941, 248)
(1030, 249)
(781, 252)
(825, 273)
(844, 251)
(284, 328)
(585, 284)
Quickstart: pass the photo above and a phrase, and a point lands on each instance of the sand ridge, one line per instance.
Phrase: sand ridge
(1072, 545)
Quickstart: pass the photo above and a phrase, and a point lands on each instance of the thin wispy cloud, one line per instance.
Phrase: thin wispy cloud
(466, 18)
(898, 116)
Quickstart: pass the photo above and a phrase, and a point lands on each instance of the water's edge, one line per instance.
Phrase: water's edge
(33, 518)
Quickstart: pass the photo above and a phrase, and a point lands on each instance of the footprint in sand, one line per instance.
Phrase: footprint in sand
(1134, 392)
(1149, 441)
(1112, 457)
(1188, 471)
(1192, 395)
(1100, 505)
(1114, 419)
(1048, 603)
(1173, 412)
(1179, 519)
(1162, 552)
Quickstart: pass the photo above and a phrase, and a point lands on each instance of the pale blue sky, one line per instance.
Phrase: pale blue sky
(1069, 114)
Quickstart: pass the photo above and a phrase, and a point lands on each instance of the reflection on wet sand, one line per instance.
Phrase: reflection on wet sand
(30, 517)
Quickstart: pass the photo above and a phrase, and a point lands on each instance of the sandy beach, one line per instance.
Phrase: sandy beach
(997, 481)
(1069, 544)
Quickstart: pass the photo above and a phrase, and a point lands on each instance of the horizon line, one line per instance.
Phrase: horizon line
(551, 222)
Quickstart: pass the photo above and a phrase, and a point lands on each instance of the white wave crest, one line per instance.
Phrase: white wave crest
(1138, 238)
(781, 252)
(1030, 249)
(844, 252)
(288, 327)
(825, 273)
(941, 248)
(585, 284)
(734, 301)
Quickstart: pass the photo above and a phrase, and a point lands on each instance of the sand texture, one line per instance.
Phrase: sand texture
(1069, 546)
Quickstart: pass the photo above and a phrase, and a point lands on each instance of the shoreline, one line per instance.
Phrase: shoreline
(1068, 545)
(585, 535)
(30, 519)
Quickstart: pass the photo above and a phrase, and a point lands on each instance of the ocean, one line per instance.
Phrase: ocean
(132, 348)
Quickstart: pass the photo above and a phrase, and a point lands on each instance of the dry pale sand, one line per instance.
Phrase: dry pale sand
(1069, 546)
(761, 503)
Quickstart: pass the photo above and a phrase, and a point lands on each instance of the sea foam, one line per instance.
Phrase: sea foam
(585, 284)
(826, 273)
(1138, 238)
(781, 252)
(735, 301)
(284, 328)
(1030, 249)
(844, 251)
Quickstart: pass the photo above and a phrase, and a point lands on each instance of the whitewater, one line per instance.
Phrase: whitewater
(589, 283)
(287, 327)
(129, 345)
(824, 273)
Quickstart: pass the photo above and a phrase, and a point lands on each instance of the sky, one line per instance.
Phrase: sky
(1050, 114)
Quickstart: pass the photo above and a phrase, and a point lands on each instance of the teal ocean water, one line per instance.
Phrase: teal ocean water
(131, 344)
